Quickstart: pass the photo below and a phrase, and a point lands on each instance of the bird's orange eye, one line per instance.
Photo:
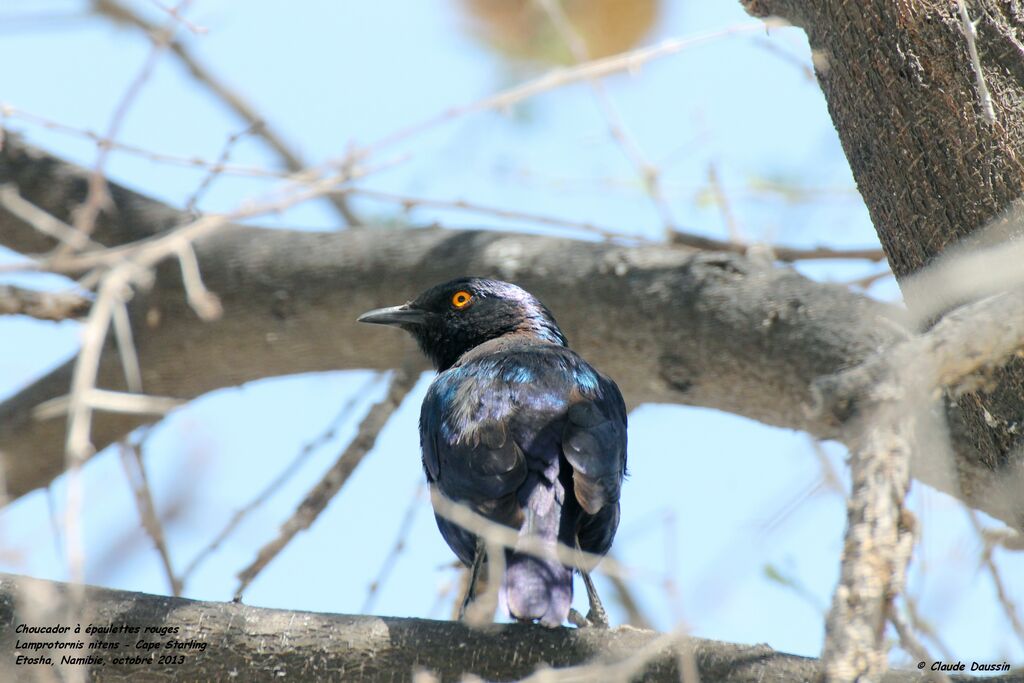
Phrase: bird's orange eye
(461, 298)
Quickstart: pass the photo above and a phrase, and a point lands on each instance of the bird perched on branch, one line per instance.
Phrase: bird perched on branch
(523, 431)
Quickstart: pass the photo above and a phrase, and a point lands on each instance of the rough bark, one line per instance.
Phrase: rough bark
(274, 645)
(934, 172)
(669, 323)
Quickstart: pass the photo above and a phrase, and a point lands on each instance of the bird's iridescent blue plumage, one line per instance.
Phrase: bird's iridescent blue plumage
(521, 429)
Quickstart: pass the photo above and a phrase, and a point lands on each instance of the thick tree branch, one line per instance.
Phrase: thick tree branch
(272, 645)
(671, 324)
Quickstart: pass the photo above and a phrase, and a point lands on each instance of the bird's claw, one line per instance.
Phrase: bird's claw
(592, 620)
(597, 617)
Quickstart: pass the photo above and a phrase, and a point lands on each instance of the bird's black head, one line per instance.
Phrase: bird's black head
(450, 319)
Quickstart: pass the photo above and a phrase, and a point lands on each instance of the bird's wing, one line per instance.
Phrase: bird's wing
(465, 437)
(594, 443)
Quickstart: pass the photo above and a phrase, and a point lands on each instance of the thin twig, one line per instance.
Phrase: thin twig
(1009, 607)
(175, 13)
(291, 159)
(282, 478)
(480, 611)
(507, 537)
(868, 280)
(971, 34)
(922, 626)
(126, 349)
(649, 174)
(408, 203)
(135, 471)
(8, 110)
(109, 401)
(910, 643)
(623, 670)
(140, 255)
(97, 195)
(217, 169)
(781, 253)
(722, 202)
(42, 221)
(806, 69)
(205, 303)
(402, 382)
(630, 62)
(42, 305)
(635, 615)
(404, 527)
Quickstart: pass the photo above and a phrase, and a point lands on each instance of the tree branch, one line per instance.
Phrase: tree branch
(671, 324)
(272, 645)
(43, 305)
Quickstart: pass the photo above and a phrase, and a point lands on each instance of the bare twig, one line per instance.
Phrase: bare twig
(971, 34)
(649, 174)
(508, 537)
(630, 62)
(806, 69)
(968, 272)
(1009, 607)
(481, 611)
(42, 221)
(732, 228)
(281, 479)
(135, 471)
(635, 615)
(320, 495)
(922, 626)
(910, 643)
(175, 13)
(8, 110)
(109, 401)
(623, 670)
(205, 303)
(43, 305)
(291, 159)
(408, 203)
(217, 169)
(404, 527)
(126, 349)
(868, 280)
(97, 195)
(780, 253)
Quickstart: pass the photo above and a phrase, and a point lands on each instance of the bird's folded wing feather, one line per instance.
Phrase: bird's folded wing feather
(594, 443)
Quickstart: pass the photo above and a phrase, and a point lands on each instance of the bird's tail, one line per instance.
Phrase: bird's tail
(539, 588)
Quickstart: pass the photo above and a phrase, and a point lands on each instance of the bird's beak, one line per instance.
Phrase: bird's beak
(394, 315)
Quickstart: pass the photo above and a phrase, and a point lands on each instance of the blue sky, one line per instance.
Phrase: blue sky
(716, 505)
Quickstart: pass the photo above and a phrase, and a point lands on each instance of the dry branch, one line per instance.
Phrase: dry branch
(324, 491)
(669, 323)
(292, 160)
(272, 645)
(43, 305)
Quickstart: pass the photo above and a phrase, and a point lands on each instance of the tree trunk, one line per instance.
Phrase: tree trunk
(933, 169)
